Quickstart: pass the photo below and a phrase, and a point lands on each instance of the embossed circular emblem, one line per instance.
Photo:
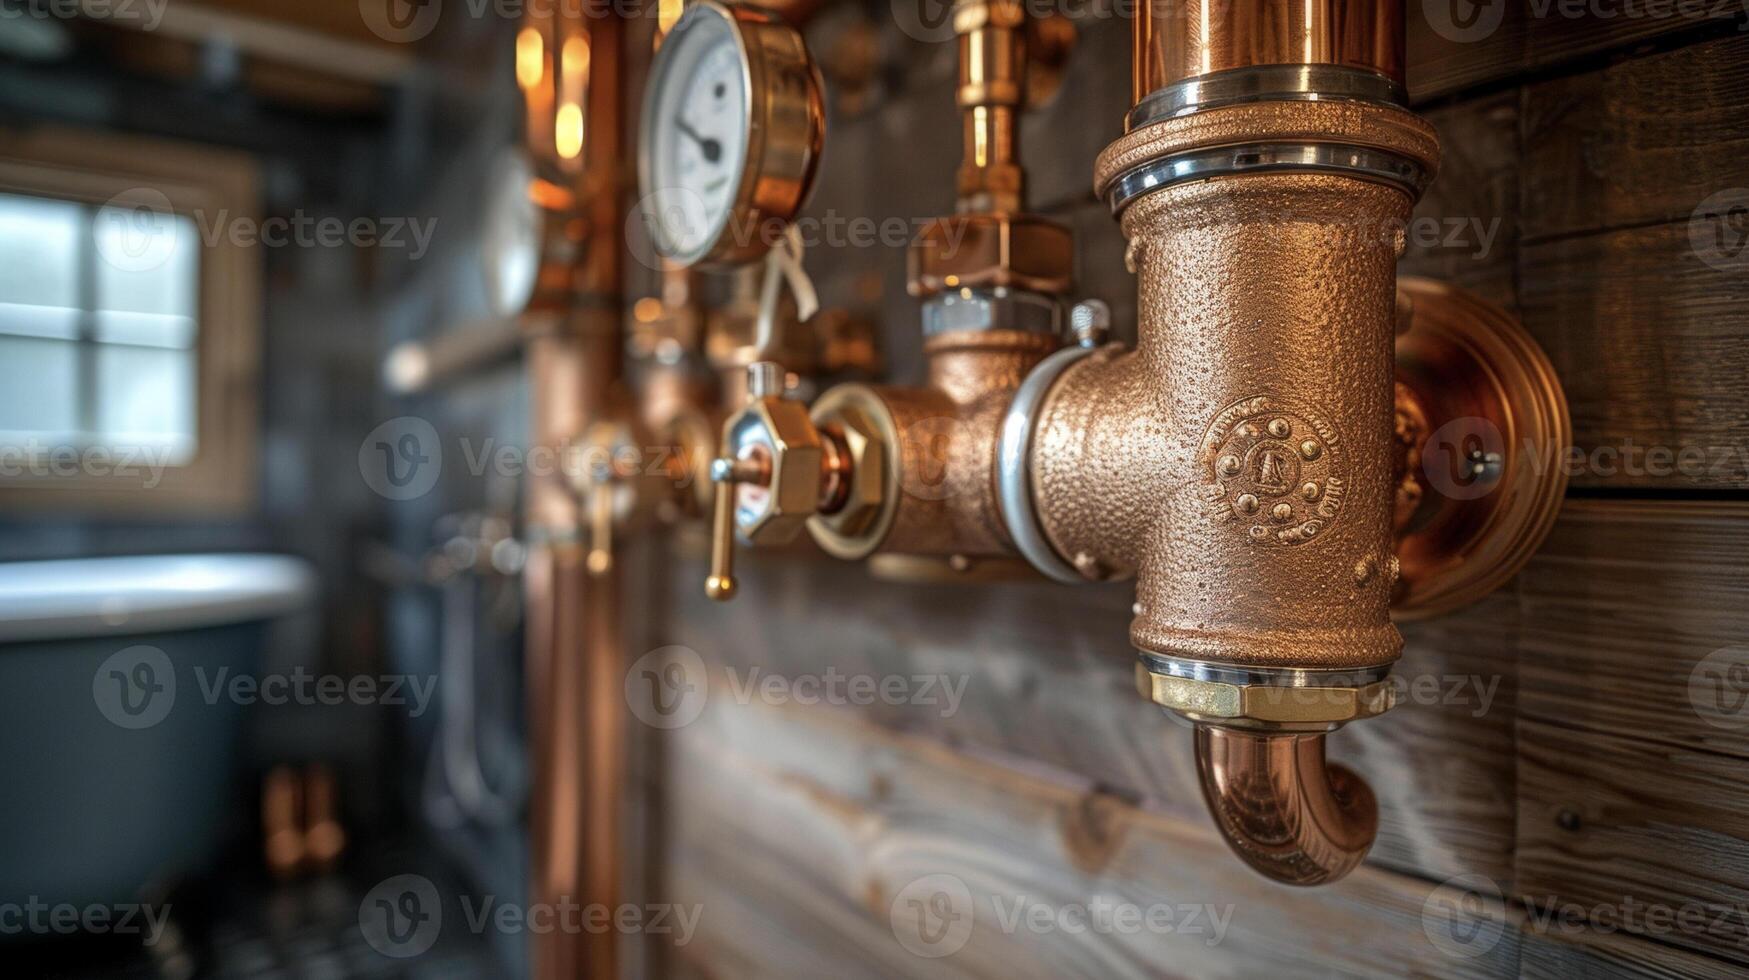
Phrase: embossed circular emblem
(1274, 470)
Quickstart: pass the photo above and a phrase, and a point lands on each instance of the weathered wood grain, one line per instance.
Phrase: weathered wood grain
(1455, 45)
(1623, 605)
(1465, 228)
(1652, 346)
(1553, 956)
(1641, 142)
(1629, 831)
(800, 822)
(1048, 678)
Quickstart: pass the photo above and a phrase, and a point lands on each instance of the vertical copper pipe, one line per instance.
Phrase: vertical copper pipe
(1180, 39)
(574, 654)
(992, 87)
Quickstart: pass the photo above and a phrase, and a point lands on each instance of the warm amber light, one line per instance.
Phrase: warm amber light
(574, 65)
(647, 310)
(531, 57)
(667, 15)
(568, 130)
(981, 136)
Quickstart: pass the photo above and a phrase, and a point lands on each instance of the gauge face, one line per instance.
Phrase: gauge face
(510, 240)
(695, 133)
(732, 129)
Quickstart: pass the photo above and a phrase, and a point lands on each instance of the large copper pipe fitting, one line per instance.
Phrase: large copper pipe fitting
(1242, 462)
(991, 278)
(1256, 461)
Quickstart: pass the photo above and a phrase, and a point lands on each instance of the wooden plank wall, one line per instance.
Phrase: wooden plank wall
(1566, 793)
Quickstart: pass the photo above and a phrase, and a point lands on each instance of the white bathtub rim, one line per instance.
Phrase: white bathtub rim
(96, 597)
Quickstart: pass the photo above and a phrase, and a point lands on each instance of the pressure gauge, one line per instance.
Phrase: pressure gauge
(512, 233)
(732, 128)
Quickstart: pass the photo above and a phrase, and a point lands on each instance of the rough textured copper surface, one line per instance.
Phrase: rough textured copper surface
(1282, 808)
(948, 429)
(1383, 127)
(1489, 468)
(1179, 39)
(1264, 365)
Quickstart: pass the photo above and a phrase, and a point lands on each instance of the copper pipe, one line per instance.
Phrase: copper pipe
(992, 88)
(1287, 813)
(1180, 39)
(575, 660)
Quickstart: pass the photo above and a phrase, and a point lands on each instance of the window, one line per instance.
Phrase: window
(126, 338)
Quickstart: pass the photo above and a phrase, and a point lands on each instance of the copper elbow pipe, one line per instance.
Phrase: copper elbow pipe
(1285, 811)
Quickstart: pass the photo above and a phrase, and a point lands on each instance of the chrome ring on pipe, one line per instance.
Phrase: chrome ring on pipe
(1365, 162)
(1266, 83)
(1014, 475)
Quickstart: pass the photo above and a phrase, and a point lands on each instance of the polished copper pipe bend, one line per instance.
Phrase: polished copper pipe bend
(1287, 812)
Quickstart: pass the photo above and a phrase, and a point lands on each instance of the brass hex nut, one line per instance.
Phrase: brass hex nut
(782, 429)
(870, 435)
(980, 251)
(867, 481)
(1206, 700)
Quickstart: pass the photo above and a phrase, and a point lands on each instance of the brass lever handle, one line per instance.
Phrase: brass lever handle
(600, 560)
(721, 583)
(728, 474)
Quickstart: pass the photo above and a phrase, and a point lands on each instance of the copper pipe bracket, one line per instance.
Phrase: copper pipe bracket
(1484, 481)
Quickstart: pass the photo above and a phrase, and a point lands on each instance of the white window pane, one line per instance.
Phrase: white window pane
(145, 399)
(146, 329)
(39, 251)
(39, 383)
(148, 261)
(24, 320)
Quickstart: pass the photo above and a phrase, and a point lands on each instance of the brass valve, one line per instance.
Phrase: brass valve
(777, 470)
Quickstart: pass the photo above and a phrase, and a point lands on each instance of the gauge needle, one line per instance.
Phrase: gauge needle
(710, 147)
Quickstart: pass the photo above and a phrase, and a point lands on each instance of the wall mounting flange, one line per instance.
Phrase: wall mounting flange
(1483, 425)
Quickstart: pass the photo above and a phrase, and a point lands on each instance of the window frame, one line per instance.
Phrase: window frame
(221, 479)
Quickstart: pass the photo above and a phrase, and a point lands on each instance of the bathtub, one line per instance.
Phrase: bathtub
(117, 769)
